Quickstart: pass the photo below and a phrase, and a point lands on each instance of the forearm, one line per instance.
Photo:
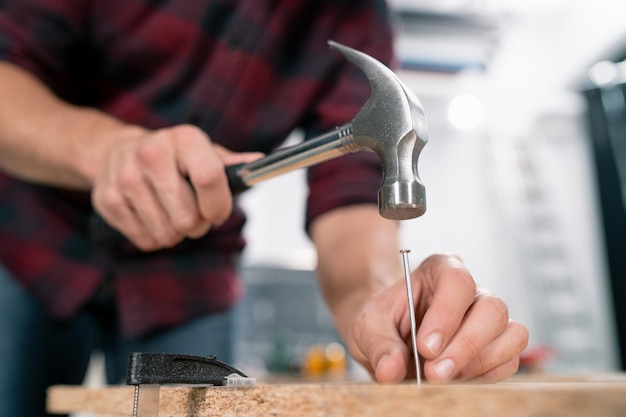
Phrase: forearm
(45, 140)
(358, 253)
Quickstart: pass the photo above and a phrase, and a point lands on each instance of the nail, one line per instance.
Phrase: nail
(445, 369)
(434, 343)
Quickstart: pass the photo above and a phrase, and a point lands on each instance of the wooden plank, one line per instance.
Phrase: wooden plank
(567, 398)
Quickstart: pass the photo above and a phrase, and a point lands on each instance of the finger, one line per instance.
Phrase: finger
(499, 373)
(198, 158)
(210, 183)
(114, 209)
(391, 367)
(452, 294)
(165, 174)
(110, 198)
(484, 321)
(150, 218)
(229, 157)
(505, 349)
(152, 221)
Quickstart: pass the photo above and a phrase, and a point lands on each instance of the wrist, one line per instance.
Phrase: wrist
(107, 133)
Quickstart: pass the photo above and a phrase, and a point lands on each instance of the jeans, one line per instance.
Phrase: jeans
(37, 351)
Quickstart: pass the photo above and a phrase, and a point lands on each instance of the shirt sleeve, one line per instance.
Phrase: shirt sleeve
(40, 35)
(354, 178)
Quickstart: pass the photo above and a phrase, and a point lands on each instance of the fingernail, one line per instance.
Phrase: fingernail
(434, 342)
(445, 369)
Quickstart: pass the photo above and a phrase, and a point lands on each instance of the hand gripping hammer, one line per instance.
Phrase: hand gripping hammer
(391, 123)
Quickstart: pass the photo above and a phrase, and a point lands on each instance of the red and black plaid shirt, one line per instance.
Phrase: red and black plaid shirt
(247, 72)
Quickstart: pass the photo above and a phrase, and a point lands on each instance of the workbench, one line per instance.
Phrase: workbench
(594, 395)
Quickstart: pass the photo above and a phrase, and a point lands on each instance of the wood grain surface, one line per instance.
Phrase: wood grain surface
(571, 397)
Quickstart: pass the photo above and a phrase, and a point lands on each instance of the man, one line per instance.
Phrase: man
(134, 108)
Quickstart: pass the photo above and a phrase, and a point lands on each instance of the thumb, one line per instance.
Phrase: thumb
(229, 157)
(391, 366)
(381, 347)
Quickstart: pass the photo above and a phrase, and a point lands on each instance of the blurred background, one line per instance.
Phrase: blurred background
(525, 173)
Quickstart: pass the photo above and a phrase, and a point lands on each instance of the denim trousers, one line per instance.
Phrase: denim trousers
(37, 351)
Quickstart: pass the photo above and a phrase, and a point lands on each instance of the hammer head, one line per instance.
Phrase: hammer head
(392, 124)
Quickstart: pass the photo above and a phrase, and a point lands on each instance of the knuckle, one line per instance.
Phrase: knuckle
(512, 366)
(469, 346)
(142, 240)
(208, 176)
(199, 230)
(479, 366)
(218, 211)
(171, 240)
(476, 367)
(128, 177)
(225, 211)
(503, 371)
(447, 260)
(187, 129)
(452, 268)
(498, 310)
(167, 239)
(459, 272)
(109, 199)
(185, 222)
(466, 282)
(151, 154)
(186, 134)
(498, 373)
(145, 245)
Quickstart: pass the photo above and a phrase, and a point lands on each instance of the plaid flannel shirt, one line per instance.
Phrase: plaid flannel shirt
(246, 72)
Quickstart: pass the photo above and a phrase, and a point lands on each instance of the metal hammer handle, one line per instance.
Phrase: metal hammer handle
(243, 176)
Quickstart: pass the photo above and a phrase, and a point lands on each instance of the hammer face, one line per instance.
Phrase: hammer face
(402, 201)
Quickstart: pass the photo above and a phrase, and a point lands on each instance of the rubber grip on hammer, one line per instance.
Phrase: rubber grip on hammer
(235, 180)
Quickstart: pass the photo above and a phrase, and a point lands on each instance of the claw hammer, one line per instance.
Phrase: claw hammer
(391, 123)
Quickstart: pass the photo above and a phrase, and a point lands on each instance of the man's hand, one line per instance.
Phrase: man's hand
(156, 187)
(159, 187)
(463, 333)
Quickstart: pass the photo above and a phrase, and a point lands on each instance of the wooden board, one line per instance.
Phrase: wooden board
(552, 398)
